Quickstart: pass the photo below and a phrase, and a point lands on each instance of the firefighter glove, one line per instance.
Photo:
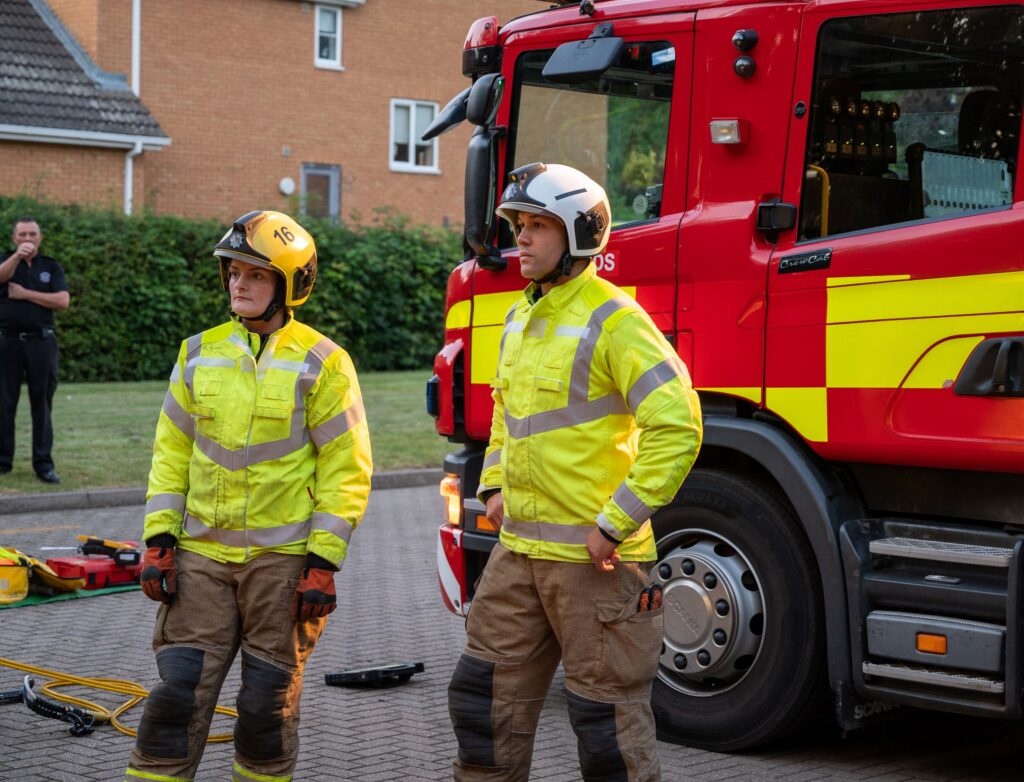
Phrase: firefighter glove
(314, 597)
(159, 576)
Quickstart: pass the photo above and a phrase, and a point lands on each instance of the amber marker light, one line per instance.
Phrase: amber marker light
(452, 499)
(729, 131)
(931, 643)
(485, 524)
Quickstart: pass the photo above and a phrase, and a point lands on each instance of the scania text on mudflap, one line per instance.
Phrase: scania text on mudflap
(819, 205)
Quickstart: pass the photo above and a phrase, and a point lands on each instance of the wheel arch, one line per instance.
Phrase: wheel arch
(821, 498)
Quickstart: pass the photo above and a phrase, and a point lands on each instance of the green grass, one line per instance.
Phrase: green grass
(103, 432)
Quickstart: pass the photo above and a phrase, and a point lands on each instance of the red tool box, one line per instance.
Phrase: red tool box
(98, 570)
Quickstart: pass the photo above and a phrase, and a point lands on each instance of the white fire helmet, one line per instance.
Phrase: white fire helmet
(565, 194)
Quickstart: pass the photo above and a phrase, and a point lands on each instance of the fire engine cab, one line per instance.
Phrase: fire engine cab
(819, 204)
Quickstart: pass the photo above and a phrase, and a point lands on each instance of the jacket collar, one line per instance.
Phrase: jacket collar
(560, 295)
(252, 339)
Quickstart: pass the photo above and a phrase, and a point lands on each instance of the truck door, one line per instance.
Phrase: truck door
(896, 305)
(627, 130)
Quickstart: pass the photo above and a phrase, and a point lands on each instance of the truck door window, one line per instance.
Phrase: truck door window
(915, 116)
(614, 129)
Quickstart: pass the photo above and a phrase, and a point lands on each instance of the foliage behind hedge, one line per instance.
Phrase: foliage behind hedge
(141, 284)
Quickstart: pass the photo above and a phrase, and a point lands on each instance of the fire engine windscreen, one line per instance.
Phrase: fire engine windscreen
(613, 128)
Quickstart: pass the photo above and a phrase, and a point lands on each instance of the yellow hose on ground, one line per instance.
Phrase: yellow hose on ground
(136, 692)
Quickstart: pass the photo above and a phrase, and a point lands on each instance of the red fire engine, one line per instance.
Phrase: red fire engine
(818, 203)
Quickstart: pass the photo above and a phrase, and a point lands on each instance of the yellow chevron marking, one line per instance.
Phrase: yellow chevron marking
(806, 410)
(942, 363)
(483, 357)
(932, 298)
(876, 334)
(879, 355)
(491, 308)
(458, 315)
(838, 282)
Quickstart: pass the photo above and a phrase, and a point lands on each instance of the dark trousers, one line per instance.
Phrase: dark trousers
(34, 361)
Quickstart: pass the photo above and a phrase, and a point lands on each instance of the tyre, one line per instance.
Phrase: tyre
(743, 660)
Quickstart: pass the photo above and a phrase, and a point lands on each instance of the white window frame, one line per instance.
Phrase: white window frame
(409, 166)
(330, 65)
(333, 174)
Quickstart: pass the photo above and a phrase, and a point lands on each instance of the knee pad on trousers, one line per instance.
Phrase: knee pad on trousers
(163, 729)
(261, 705)
(470, 696)
(594, 725)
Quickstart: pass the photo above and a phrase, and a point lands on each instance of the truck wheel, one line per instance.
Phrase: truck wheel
(743, 661)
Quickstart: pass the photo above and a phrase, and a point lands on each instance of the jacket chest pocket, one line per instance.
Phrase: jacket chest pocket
(204, 409)
(274, 401)
(510, 350)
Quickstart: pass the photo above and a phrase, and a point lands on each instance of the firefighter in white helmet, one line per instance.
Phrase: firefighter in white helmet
(261, 472)
(595, 426)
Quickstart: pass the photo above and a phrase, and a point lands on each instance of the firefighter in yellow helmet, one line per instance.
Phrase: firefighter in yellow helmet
(261, 472)
(595, 427)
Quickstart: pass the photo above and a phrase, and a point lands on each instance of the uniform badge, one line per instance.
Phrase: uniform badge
(44, 277)
(236, 240)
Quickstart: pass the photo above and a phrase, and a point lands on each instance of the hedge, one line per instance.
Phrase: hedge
(141, 284)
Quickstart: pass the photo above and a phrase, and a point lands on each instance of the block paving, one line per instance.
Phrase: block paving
(390, 611)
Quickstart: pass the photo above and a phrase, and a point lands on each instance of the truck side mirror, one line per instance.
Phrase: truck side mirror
(481, 197)
(484, 99)
(450, 116)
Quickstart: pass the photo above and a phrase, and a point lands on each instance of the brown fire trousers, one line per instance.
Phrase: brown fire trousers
(526, 615)
(220, 608)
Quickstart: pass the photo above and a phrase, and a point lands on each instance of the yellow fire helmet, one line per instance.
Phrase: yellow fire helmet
(275, 241)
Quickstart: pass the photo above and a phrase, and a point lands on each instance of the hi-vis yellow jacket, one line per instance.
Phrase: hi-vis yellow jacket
(595, 422)
(255, 456)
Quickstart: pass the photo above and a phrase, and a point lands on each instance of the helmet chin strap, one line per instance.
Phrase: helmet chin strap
(562, 269)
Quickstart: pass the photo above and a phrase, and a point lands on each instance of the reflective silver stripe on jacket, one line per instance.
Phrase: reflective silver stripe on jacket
(334, 524)
(579, 385)
(493, 458)
(572, 331)
(579, 408)
(547, 532)
(289, 366)
(262, 537)
(511, 327)
(176, 413)
(572, 415)
(607, 526)
(632, 505)
(335, 427)
(192, 346)
(537, 327)
(211, 361)
(242, 344)
(654, 378)
(167, 501)
(261, 452)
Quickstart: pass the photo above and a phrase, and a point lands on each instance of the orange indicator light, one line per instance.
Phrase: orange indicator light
(932, 644)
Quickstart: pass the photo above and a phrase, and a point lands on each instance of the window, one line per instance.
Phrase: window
(328, 38)
(409, 120)
(915, 116)
(321, 190)
(614, 129)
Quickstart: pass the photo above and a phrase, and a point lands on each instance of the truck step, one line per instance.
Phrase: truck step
(942, 551)
(958, 681)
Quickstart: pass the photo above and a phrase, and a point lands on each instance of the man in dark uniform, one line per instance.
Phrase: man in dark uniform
(32, 286)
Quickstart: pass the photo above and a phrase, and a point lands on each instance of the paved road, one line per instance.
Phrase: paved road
(390, 611)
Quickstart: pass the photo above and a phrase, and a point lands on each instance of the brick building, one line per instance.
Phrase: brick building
(264, 103)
